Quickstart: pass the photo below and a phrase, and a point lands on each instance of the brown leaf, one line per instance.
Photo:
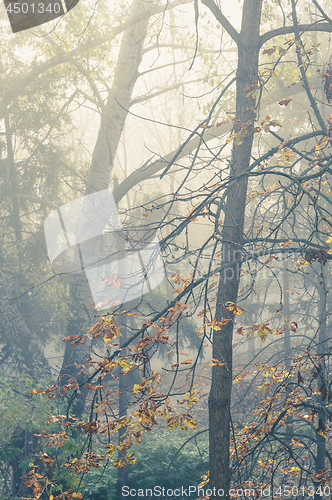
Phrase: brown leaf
(285, 102)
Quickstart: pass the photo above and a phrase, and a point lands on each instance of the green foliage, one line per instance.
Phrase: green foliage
(154, 456)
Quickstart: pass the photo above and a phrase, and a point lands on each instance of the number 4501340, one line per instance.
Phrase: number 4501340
(24, 8)
(294, 491)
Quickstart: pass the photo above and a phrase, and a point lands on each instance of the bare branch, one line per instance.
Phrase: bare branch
(291, 29)
(147, 170)
(184, 47)
(34, 199)
(147, 97)
(326, 17)
(222, 20)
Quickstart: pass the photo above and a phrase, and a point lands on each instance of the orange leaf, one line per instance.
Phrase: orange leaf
(216, 362)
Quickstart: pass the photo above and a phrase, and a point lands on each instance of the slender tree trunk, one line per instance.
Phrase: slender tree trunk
(321, 380)
(221, 386)
(287, 343)
(251, 339)
(123, 404)
(13, 181)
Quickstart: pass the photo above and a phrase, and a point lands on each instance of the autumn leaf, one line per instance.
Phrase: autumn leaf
(216, 362)
(113, 280)
(286, 244)
(280, 330)
(293, 326)
(262, 331)
(120, 462)
(233, 137)
(270, 51)
(110, 330)
(189, 421)
(75, 339)
(216, 325)
(93, 387)
(230, 306)
(111, 449)
(130, 459)
(57, 439)
(285, 102)
(221, 123)
(173, 422)
(321, 144)
(142, 343)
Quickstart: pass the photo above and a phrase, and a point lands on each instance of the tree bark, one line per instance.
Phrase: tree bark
(113, 119)
(322, 373)
(24, 344)
(13, 181)
(232, 233)
(287, 342)
(118, 102)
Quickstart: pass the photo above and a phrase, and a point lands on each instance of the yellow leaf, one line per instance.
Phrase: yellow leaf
(120, 462)
(172, 422)
(131, 460)
(190, 423)
(110, 449)
(186, 362)
(77, 495)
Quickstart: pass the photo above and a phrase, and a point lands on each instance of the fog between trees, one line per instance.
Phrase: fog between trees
(210, 126)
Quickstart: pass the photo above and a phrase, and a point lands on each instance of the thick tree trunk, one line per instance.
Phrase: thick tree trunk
(220, 393)
(118, 102)
(112, 123)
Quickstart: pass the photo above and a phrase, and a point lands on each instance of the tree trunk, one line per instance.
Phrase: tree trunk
(112, 123)
(24, 345)
(123, 404)
(322, 373)
(221, 386)
(287, 344)
(116, 109)
(13, 181)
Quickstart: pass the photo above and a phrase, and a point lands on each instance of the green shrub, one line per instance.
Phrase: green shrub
(153, 465)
